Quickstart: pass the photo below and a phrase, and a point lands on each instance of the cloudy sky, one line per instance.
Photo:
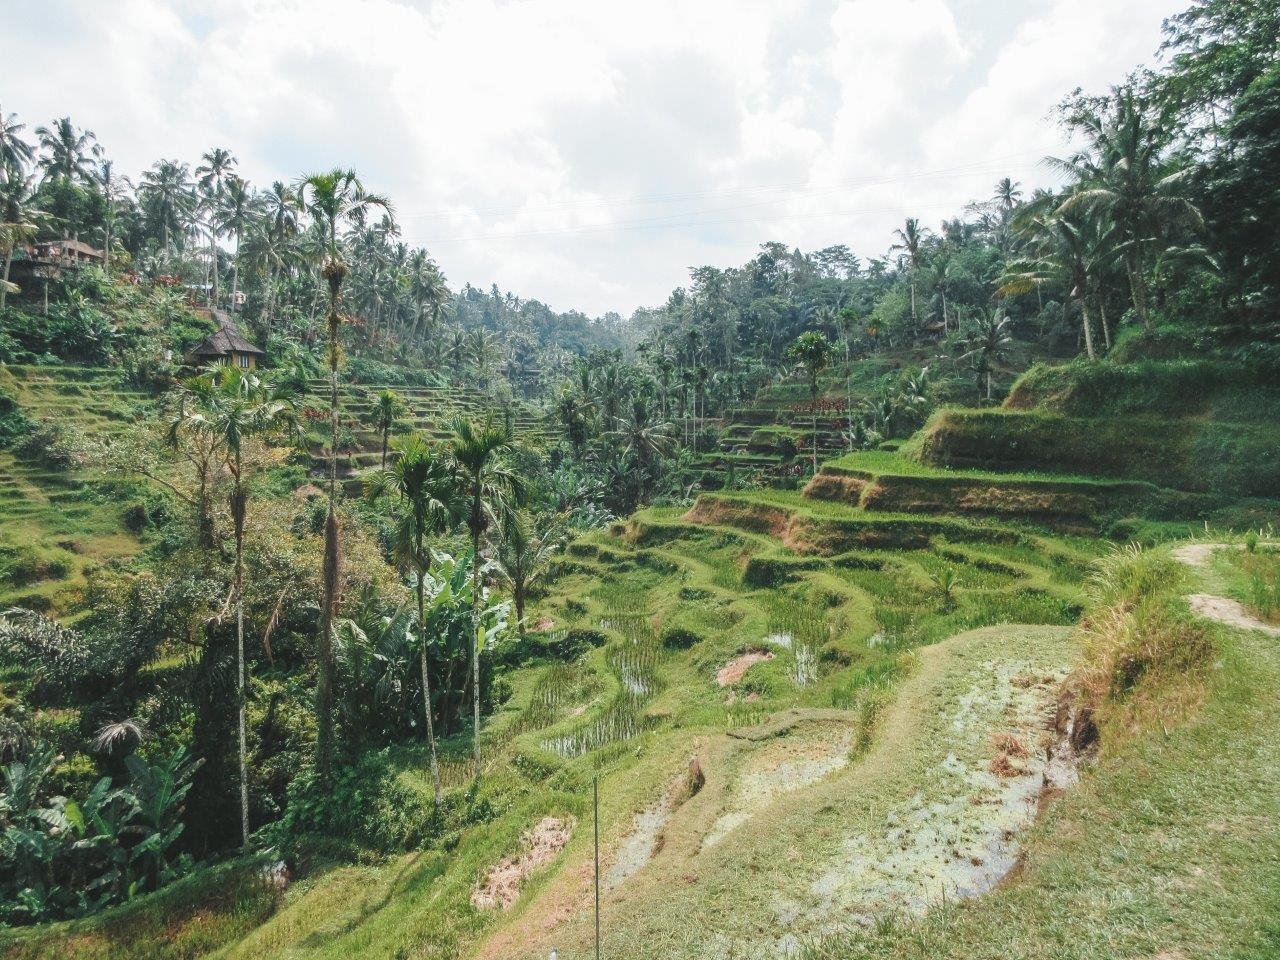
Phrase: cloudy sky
(588, 152)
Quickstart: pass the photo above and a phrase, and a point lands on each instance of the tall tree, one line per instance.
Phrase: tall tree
(812, 350)
(212, 175)
(240, 407)
(168, 201)
(1125, 171)
(523, 550)
(910, 242)
(66, 151)
(15, 152)
(490, 489)
(332, 199)
(428, 485)
(388, 407)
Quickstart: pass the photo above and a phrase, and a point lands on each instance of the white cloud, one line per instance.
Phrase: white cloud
(581, 152)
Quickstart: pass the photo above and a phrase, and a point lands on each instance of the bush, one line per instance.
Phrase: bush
(50, 443)
(1143, 653)
(14, 424)
(679, 638)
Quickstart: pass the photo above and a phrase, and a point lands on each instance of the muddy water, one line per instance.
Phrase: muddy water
(960, 834)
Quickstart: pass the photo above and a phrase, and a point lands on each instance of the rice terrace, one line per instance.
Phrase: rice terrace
(909, 589)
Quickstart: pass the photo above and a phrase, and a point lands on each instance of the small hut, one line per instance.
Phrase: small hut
(225, 345)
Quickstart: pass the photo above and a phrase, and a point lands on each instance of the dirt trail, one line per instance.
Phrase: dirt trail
(1211, 606)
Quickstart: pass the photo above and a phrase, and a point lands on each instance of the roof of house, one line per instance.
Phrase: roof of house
(226, 339)
(72, 244)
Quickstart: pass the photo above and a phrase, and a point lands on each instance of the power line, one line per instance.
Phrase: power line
(644, 225)
(974, 167)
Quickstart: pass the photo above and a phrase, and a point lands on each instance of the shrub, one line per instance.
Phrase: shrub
(1144, 655)
(13, 422)
(679, 638)
(50, 443)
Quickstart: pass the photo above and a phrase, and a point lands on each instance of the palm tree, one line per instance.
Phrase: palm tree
(910, 242)
(17, 216)
(233, 216)
(236, 407)
(387, 410)
(491, 490)
(336, 198)
(15, 153)
(1071, 249)
(428, 485)
(211, 177)
(113, 187)
(168, 200)
(812, 350)
(522, 554)
(332, 198)
(1126, 173)
(66, 151)
(987, 343)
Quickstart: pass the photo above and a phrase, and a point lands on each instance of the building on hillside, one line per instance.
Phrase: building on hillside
(69, 252)
(225, 345)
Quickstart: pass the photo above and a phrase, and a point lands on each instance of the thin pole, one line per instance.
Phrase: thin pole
(595, 801)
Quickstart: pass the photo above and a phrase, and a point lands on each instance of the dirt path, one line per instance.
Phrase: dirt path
(1211, 606)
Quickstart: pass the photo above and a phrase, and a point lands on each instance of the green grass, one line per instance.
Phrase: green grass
(1233, 459)
(891, 463)
(1168, 848)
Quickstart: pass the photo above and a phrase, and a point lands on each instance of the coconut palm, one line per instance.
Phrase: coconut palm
(66, 151)
(491, 489)
(212, 176)
(168, 201)
(522, 553)
(986, 343)
(18, 219)
(15, 153)
(233, 216)
(812, 350)
(910, 242)
(114, 187)
(428, 485)
(1070, 249)
(1126, 173)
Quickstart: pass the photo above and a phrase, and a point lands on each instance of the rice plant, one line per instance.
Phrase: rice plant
(633, 659)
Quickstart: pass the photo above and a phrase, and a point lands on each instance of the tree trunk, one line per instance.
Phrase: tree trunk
(213, 268)
(238, 505)
(1138, 288)
(1088, 328)
(475, 641)
(426, 683)
(329, 590)
(385, 430)
(235, 275)
(813, 409)
(4, 287)
(1106, 327)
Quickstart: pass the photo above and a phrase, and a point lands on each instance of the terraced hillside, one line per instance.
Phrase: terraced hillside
(818, 719)
(57, 521)
(428, 410)
(789, 670)
(1205, 427)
